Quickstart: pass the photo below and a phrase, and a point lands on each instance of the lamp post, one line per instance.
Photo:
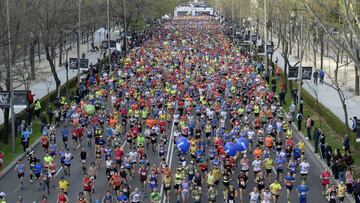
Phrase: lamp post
(293, 14)
(12, 112)
(265, 36)
(125, 27)
(108, 29)
(67, 68)
(78, 42)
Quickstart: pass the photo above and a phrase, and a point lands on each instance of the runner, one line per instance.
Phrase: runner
(302, 190)
(325, 180)
(20, 169)
(275, 189)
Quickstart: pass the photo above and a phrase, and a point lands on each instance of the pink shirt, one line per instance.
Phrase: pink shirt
(348, 177)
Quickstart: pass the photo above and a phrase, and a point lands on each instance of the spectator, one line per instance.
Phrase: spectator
(299, 118)
(37, 108)
(348, 159)
(309, 124)
(282, 97)
(2, 155)
(356, 190)
(322, 143)
(28, 115)
(353, 126)
(292, 109)
(346, 143)
(50, 114)
(316, 140)
(328, 154)
(336, 156)
(294, 96)
(316, 77)
(349, 179)
(341, 168)
(321, 75)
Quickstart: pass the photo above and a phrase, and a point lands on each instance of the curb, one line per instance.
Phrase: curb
(16, 159)
(317, 156)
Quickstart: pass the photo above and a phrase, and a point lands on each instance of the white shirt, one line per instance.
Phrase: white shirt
(257, 165)
(108, 163)
(304, 167)
(133, 156)
(254, 197)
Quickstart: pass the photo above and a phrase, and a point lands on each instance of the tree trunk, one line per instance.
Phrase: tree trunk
(357, 82)
(346, 115)
(321, 38)
(337, 67)
(314, 49)
(32, 59)
(6, 134)
(50, 59)
(61, 53)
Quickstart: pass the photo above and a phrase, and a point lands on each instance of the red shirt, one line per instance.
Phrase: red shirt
(118, 153)
(87, 183)
(115, 180)
(325, 177)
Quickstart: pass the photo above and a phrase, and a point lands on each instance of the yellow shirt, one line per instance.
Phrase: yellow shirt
(64, 185)
(275, 188)
(211, 179)
(48, 159)
(268, 164)
(341, 190)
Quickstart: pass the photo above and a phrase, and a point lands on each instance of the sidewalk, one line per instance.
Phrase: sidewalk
(326, 95)
(44, 77)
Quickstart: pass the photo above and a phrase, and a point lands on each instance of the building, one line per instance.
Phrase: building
(193, 8)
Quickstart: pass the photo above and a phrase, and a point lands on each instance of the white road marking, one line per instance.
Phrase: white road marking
(57, 173)
(169, 155)
(17, 189)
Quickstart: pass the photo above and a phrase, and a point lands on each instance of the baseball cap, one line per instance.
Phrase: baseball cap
(2, 194)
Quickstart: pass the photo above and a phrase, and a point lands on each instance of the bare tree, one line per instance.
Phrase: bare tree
(50, 17)
(347, 12)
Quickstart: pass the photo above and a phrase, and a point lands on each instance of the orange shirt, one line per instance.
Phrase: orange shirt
(268, 141)
(258, 152)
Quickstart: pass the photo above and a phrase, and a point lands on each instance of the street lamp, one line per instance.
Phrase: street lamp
(293, 15)
(78, 43)
(67, 67)
(12, 112)
(265, 36)
(125, 27)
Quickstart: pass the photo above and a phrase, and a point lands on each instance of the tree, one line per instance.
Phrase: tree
(50, 17)
(18, 40)
(347, 13)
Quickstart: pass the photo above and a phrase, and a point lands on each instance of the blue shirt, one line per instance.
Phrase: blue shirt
(302, 189)
(122, 198)
(38, 168)
(65, 132)
(280, 162)
(290, 179)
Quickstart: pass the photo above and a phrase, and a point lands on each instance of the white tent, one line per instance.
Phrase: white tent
(100, 35)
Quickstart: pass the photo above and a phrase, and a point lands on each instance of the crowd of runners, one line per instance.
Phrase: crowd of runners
(187, 81)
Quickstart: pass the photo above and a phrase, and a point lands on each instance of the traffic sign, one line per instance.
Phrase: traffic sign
(104, 44)
(20, 98)
(4, 99)
(84, 63)
(293, 73)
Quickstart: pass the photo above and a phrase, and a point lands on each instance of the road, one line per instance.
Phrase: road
(11, 186)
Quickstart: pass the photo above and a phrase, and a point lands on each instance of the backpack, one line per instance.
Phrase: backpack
(312, 123)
